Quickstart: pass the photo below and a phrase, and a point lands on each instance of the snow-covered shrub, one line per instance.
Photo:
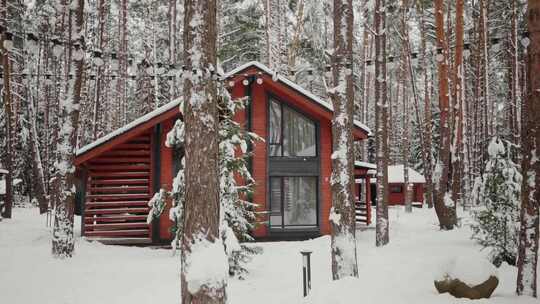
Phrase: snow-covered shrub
(496, 220)
(156, 204)
(238, 211)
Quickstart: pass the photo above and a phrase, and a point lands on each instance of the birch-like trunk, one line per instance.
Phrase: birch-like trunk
(63, 242)
(342, 214)
(427, 125)
(5, 210)
(202, 206)
(530, 135)
(381, 122)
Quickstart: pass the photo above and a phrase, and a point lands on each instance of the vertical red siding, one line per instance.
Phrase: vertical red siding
(259, 114)
(166, 178)
(325, 199)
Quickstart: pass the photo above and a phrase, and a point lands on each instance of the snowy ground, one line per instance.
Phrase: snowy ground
(401, 272)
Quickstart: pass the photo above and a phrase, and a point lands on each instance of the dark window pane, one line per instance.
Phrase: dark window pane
(396, 189)
(275, 150)
(276, 218)
(299, 134)
(300, 201)
(275, 123)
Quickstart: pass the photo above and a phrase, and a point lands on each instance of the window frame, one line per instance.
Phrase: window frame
(282, 106)
(283, 226)
(393, 189)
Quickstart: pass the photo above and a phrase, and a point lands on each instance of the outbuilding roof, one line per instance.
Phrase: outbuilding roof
(396, 176)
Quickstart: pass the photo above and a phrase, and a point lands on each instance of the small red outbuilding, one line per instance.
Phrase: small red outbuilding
(396, 184)
(121, 171)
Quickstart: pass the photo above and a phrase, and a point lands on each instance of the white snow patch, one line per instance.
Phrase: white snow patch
(206, 265)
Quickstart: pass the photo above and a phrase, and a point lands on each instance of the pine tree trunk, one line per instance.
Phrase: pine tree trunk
(405, 65)
(381, 118)
(427, 127)
(202, 206)
(342, 214)
(5, 210)
(445, 213)
(529, 232)
(457, 154)
(102, 42)
(63, 242)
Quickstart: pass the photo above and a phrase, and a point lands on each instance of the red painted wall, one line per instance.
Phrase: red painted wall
(166, 177)
(259, 111)
(399, 198)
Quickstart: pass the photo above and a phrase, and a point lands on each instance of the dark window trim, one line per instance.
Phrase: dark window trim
(393, 189)
(269, 160)
(271, 97)
(282, 209)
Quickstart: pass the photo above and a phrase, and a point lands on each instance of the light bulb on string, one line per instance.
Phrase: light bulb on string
(78, 53)
(525, 41)
(57, 47)
(440, 56)
(310, 75)
(328, 72)
(114, 62)
(466, 50)
(8, 41)
(31, 43)
(495, 44)
(98, 60)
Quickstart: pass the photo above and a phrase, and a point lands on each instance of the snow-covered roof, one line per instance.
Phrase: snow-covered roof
(177, 102)
(294, 86)
(4, 171)
(131, 125)
(395, 176)
(365, 165)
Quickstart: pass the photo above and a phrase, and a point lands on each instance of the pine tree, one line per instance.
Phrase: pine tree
(342, 213)
(63, 242)
(381, 122)
(201, 235)
(496, 221)
(530, 135)
(236, 186)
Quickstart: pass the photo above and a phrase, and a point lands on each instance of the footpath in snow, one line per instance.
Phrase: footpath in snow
(401, 272)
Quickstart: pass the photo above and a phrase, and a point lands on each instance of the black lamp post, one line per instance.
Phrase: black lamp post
(306, 271)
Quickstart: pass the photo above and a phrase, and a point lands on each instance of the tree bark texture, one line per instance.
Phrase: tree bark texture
(342, 214)
(202, 207)
(381, 125)
(63, 243)
(528, 236)
(445, 213)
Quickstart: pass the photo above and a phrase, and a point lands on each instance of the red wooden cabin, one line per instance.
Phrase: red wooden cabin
(396, 185)
(121, 171)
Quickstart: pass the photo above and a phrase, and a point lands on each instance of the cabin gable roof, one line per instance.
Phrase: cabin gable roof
(323, 104)
(172, 109)
(132, 129)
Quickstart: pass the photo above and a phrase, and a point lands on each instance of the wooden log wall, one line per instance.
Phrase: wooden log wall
(119, 186)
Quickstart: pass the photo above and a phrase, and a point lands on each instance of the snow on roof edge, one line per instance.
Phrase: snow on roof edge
(296, 87)
(4, 171)
(365, 165)
(129, 126)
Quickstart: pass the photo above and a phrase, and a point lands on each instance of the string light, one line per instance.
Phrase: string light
(8, 41)
(525, 41)
(114, 62)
